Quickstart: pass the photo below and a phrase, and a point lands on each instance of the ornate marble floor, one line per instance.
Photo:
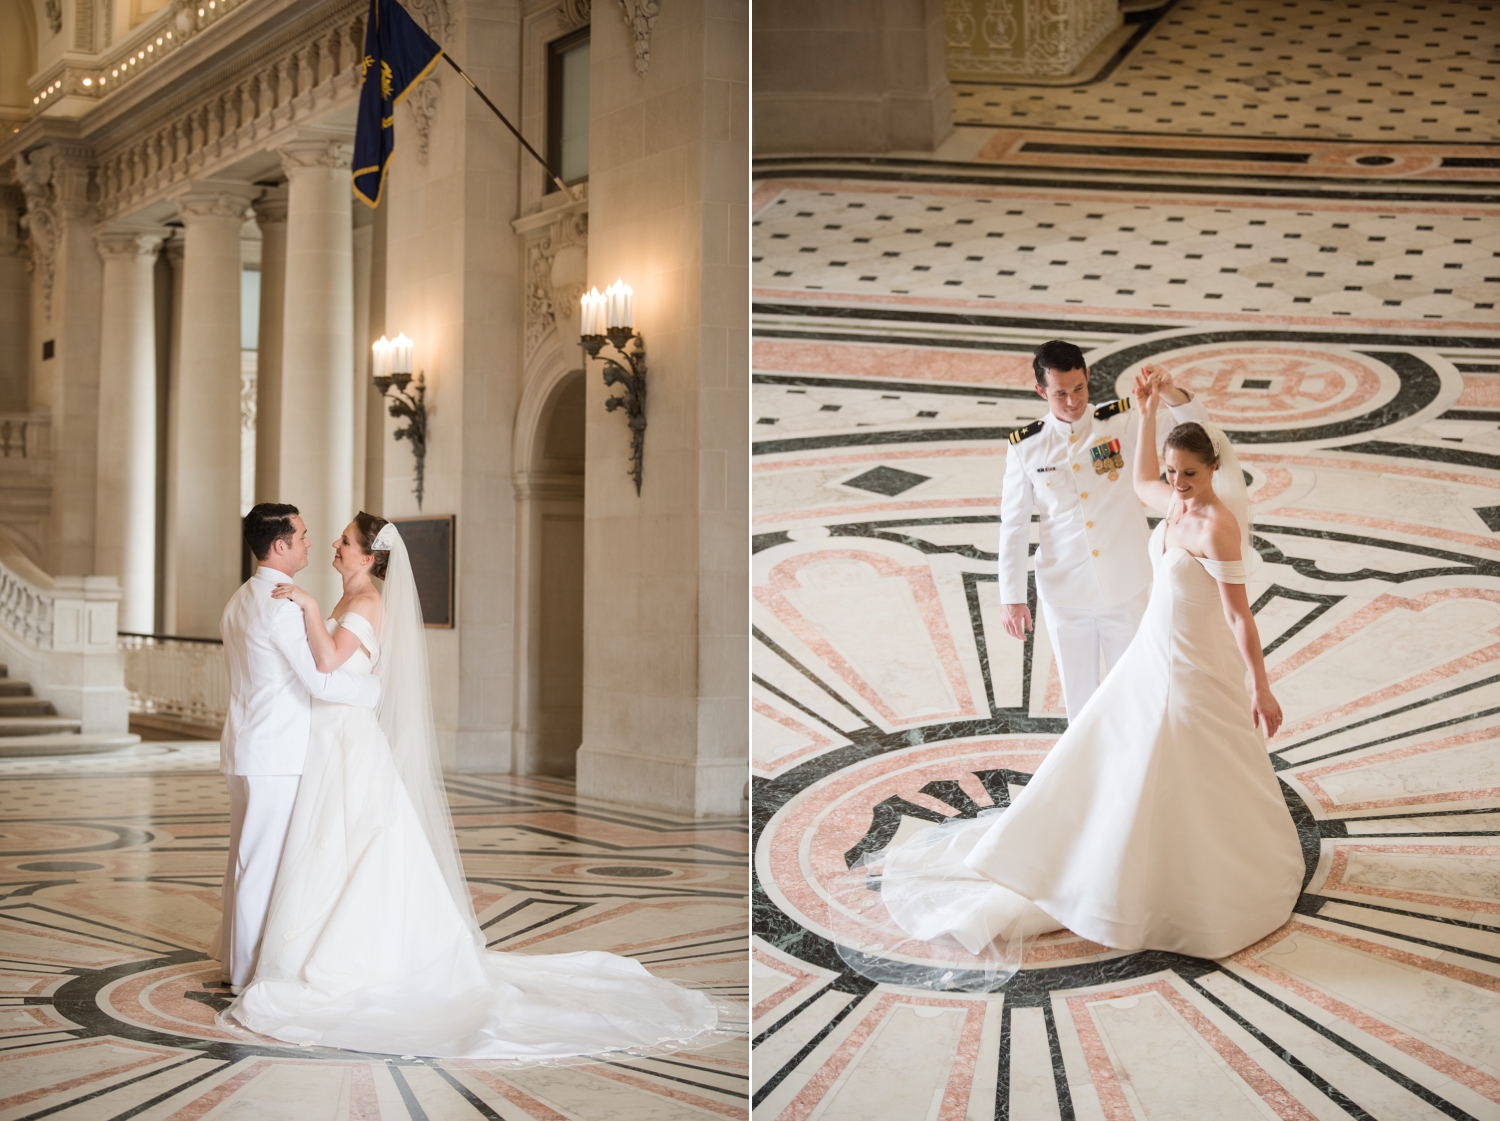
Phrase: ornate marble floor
(1348, 339)
(109, 893)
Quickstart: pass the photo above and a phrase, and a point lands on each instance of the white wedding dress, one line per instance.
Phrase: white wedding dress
(1155, 823)
(369, 944)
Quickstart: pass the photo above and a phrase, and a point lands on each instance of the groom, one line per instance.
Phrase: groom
(1093, 577)
(272, 679)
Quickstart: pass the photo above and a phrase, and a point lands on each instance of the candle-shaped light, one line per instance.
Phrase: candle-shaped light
(401, 348)
(627, 297)
(591, 313)
(381, 358)
(611, 303)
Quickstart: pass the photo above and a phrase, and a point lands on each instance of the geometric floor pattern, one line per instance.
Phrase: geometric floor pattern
(110, 869)
(896, 304)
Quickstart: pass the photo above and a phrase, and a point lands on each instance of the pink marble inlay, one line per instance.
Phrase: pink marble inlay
(1314, 384)
(833, 815)
(902, 363)
(150, 1056)
(784, 577)
(801, 979)
(697, 1101)
(1107, 1084)
(1481, 391)
(1278, 481)
(1475, 1079)
(1179, 315)
(1357, 623)
(1330, 804)
(955, 1102)
(819, 740)
(1338, 869)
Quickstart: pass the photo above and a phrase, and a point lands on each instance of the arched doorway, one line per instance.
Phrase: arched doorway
(552, 516)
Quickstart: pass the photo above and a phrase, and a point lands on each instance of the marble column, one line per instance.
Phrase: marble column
(125, 498)
(317, 399)
(666, 626)
(270, 214)
(205, 491)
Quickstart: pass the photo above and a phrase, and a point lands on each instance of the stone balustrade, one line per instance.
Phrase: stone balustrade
(182, 679)
(58, 633)
(244, 106)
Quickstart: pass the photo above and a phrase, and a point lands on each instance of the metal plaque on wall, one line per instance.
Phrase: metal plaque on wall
(429, 543)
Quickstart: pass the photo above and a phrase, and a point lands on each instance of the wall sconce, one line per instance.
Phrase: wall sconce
(392, 368)
(607, 318)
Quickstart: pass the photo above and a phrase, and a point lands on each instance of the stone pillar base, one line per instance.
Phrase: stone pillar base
(691, 787)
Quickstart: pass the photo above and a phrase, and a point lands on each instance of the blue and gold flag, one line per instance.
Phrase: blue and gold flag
(398, 55)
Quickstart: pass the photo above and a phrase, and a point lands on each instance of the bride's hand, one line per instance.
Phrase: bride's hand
(292, 592)
(1145, 388)
(1265, 711)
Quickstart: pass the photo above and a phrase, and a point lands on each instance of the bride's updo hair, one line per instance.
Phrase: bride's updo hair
(368, 525)
(1190, 438)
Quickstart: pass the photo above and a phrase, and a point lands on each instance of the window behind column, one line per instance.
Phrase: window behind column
(568, 106)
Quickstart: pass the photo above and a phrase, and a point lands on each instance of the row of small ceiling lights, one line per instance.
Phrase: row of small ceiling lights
(139, 56)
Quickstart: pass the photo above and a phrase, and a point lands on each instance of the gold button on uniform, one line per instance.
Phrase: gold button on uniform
(1088, 525)
(1072, 439)
(1085, 494)
(1075, 467)
(1096, 552)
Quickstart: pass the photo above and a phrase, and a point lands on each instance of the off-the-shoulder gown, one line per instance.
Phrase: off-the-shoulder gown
(1155, 821)
(365, 949)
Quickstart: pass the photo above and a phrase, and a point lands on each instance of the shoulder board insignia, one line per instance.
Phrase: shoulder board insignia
(1114, 408)
(1023, 433)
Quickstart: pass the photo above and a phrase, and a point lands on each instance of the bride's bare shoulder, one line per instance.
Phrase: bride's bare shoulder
(1223, 542)
(366, 606)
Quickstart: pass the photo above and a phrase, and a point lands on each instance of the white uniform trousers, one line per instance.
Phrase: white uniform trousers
(1080, 636)
(260, 810)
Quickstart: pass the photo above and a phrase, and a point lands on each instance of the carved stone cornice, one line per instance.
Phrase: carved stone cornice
(211, 201)
(127, 243)
(641, 17)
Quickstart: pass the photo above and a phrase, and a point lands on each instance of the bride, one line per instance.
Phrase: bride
(371, 943)
(1156, 821)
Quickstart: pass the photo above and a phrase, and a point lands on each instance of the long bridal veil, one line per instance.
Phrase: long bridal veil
(1229, 485)
(405, 715)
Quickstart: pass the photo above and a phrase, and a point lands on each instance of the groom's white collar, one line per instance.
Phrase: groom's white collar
(264, 571)
(1077, 428)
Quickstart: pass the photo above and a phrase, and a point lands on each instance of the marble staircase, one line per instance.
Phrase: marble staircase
(30, 725)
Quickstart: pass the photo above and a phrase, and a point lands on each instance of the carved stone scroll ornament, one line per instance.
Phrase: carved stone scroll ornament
(422, 102)
(556, 266)
(573, 14)
(316, 153)
(42, 220)
(640, 17)
(54, 15)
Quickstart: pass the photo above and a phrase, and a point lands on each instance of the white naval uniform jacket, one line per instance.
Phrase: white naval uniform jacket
(1091, 553)
(272, 680)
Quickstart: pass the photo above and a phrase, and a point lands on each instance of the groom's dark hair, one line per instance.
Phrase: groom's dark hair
(266, 524)
(1056, 355)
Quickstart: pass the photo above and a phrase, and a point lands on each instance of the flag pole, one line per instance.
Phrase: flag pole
(563, 187)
